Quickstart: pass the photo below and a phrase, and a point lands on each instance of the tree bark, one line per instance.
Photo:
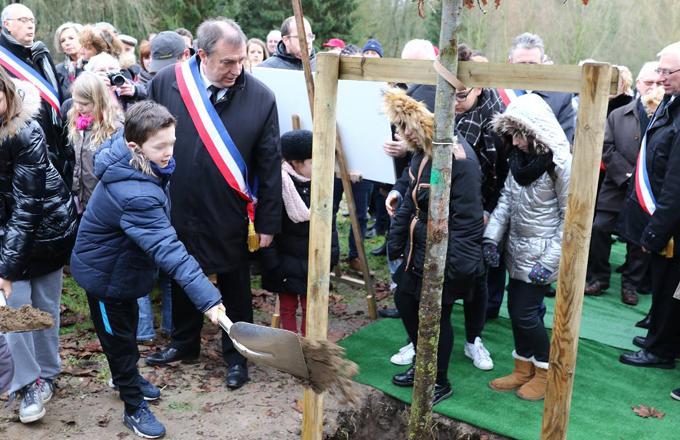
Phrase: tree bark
(437, 228)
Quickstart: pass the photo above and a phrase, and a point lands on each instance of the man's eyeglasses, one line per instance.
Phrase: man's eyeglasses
(24, 20)
(652, 83)
(461, 97)
(310, 37)
(666, 72)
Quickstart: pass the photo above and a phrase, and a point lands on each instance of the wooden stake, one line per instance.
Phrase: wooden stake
(342, 164)
(321, 223)
(437, 229)
(578, 223)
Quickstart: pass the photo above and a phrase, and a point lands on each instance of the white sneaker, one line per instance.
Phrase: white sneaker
(479, 354)
(31, 406)
(404, 356)
(46, 389)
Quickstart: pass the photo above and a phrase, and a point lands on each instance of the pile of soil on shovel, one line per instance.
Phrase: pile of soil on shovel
(25, 318)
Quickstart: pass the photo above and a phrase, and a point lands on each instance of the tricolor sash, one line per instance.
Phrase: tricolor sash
(25, 72)
(509, 95)
(214, 134)
(643, 189)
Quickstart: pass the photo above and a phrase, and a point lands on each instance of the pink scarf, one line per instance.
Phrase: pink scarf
(296, 209)
(82, 122)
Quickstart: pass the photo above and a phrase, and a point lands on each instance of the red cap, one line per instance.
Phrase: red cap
(335, 42)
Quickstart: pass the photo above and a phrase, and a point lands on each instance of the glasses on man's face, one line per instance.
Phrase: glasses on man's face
(652, 83)
(462, 97)
(310, 37)
(24, 20)
(666, 72)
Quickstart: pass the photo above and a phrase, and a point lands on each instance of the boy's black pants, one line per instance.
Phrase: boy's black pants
(116, 326)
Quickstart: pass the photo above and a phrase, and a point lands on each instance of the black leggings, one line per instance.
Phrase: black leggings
(525, 307)
(408, 305)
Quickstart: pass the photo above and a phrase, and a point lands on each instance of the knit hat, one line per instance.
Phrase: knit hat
(373, 45)
(296, 145)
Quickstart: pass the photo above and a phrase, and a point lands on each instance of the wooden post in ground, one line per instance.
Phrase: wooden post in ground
(437, 228)
(578, 223)
(321, 222)
(342, 165)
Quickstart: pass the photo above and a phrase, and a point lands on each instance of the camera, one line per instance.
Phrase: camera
(117, 79)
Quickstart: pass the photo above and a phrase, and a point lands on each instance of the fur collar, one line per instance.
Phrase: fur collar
(532, 117)
(405, 111)
(30, 108)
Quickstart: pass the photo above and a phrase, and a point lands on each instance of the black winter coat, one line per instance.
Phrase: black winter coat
(663, 163)
(285, 262)
(37, 214)
(284, 60)
(209, 216)
(54, 134)
(622, 139)
(466, 222)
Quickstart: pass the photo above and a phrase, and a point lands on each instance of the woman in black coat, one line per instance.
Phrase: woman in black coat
(285, 262)
(408, 235)
(38, 224)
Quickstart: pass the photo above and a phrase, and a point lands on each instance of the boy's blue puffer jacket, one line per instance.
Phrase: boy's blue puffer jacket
(125, 235)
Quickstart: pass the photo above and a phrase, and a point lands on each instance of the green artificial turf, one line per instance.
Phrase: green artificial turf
(604, 389)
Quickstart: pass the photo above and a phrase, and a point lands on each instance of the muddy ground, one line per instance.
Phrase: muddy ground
(196, 404)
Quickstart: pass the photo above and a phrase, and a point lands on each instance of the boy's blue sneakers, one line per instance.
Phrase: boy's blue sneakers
(149, 391)
(144, 423)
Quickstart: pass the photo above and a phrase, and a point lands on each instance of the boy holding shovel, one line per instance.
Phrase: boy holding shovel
(124, 238)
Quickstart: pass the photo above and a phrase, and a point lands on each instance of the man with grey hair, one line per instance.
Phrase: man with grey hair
(651, 219)
(17, 38)
(288, 53)
(622, 139)
(528, 49)
(273, 38)
(212, 217)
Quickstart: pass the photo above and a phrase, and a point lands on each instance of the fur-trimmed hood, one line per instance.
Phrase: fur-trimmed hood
(30, 108)
(531, 116)
(405, 111)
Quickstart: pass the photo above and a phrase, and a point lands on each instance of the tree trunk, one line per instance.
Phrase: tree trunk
(437, 228)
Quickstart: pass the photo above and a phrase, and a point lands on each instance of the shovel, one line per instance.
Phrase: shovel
(276, 348)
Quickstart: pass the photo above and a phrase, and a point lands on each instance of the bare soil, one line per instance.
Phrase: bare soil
(23, 319)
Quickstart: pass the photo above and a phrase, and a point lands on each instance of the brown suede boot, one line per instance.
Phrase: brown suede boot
(523, 372)
(535, 388)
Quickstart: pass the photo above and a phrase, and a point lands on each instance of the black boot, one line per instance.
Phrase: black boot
(442, 388)
(406, 378)
(645, 323)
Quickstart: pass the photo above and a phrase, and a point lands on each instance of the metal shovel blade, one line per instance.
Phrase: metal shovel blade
(272, 347)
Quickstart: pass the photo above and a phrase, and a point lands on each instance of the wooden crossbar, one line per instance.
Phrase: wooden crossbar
(548, 78)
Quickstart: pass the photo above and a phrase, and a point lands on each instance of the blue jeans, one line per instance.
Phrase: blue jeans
(362, 195)
(145, 325)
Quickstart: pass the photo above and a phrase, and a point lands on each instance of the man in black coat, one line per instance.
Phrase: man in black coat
(652, 219)
(623, 135)
(209, 216)
(18, 32)
(528, 49)
(288, 55)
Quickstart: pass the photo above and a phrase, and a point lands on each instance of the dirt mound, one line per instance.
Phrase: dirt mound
(24, 319)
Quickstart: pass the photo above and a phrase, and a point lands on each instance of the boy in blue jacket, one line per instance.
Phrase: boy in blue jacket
(124, 237)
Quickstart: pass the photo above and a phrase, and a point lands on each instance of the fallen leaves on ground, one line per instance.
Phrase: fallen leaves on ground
(298, 405)
(382, 290)
(646, 412)
(104, 421)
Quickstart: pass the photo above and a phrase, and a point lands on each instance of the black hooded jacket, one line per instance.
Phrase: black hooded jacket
(37, 214)
(284, 60)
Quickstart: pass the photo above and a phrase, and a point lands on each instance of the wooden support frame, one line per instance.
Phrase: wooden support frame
(594, 81)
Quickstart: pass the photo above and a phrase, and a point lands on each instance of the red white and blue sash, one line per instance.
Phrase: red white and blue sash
(213, 133)
(643, 189)
(25, 72)
(509, 95)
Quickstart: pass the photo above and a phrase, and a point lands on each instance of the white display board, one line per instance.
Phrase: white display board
(363, 129)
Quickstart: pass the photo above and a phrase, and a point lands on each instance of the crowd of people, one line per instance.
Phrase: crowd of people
(90, 146)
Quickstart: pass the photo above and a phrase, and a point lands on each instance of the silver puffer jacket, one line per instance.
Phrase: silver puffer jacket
(532, 215)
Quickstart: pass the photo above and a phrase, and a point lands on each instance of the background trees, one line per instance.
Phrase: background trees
(627, 32)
